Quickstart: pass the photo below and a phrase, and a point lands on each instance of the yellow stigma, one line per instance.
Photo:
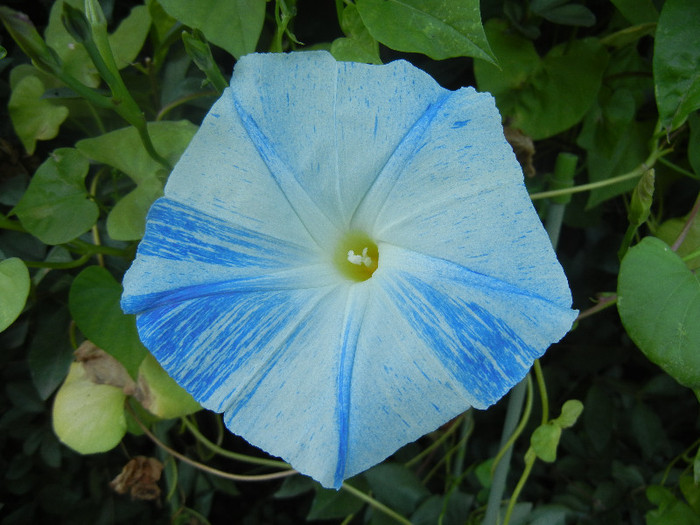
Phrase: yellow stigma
(356, 256)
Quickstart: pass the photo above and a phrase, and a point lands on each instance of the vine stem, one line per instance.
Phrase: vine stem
(529, 463)
(635, 173)
(375, 504)
(602, 304)
(415, 459)
(227, 453)
(542, 389)
(202, 466)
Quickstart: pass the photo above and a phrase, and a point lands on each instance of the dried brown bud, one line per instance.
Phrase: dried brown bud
(139, 478)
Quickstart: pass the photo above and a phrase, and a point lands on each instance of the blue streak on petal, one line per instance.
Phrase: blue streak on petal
(294, 279)
(352, 324)
(179, 232)
(230, 340)
(464, 334)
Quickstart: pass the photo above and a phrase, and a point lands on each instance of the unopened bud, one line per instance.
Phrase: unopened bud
(642, 197)
(23, 32)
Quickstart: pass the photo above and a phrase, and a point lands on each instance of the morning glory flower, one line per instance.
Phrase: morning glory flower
(345, 258)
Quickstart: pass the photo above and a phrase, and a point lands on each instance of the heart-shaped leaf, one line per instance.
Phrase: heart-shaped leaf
(659, 304)
(437, 29)
(56, 207)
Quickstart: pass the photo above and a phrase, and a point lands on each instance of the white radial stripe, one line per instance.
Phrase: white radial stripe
(510, 245)
(321, 227)
(463, 150)
(222, 174)
(436, 157)
(297, 123)
(364, 217)
(375, 108)
(366, 111)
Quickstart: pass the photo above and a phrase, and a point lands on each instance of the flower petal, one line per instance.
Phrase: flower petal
(223, 174)
(436, 339)
(188, 253)
(277, 362)
(366, 111)
(460, 196)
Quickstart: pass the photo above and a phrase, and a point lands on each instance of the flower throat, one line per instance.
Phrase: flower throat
(356, 256)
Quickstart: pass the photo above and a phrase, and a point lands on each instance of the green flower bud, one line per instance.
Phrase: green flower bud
(23, 32)
(642, 197)
(75, 23)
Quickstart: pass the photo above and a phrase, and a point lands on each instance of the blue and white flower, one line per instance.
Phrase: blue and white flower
(345, 258)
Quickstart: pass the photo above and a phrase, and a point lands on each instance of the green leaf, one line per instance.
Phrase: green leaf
(694, 143)
(331, 504)
(437, 29)
(358, 45)
(127, 40)
(659, 304)
(677, 61)
(127, 220)
(637, 11)
(642, 199)
(446, 510)
(50, 352)
(569, 14)
(647, 429)
(33, 117)
(599, 417)
(397, 486)
(14, 290)
(88, 417)
(691, 492)
(545, 441)
(570, 412)
(670, 511)
(94, 304)
(56, 207)
(542, 96)
(234, 25)
(294, 486)
(671, 229)
(613, 138)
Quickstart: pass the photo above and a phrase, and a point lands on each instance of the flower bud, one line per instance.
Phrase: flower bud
(23, 32)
